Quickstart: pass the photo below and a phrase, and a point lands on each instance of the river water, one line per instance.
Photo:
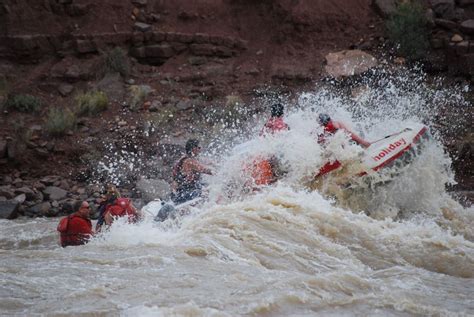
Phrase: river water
(402, 247)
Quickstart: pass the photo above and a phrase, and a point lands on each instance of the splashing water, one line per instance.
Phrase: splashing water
(396, 244)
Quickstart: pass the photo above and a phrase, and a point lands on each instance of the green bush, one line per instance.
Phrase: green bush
(91, 103)
(23, 103)
(116, 61)
(408, 28)
(59, 121)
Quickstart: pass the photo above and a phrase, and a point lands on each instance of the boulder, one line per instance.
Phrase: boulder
(153, 188)
(9, 209)
(7, 192)
(443, 8)
(54, 193)
(446, 24)
(203, 49)
(465, 3)
(468, 26)
(386, 7)
(348, 63)
(69, 206)
(6, 179)
(20, 198)
(65, 89)
(159, 50)
(49, 180)
(142, 27)
(456, 38)
(29, 193)
(41, 209)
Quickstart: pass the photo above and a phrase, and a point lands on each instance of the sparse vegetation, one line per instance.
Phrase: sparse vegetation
(116, 61)
(408, 29)
(22, 103)
(159, 119)
(138, 94)
(59, 121)
(91, 103)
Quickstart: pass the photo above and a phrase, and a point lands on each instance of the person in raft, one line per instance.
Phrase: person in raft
(76, 229)
(121, 207)
(266, 171)
(187, 173)
(111, 195)
(330, 127)
(275, 123)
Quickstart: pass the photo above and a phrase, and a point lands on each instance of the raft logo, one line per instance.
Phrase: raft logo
(389, 149)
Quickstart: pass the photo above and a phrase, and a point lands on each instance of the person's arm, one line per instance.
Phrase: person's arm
(108, 219)
(353, 135)
(197, 167)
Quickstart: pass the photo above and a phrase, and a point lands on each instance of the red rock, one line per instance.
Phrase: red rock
(85, 46)
(201, 38)
(202, 49)
(158, 36)
(468, 26)
(348, 63)
(159, 50)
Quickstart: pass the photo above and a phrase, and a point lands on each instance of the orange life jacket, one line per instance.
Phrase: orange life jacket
(261, 171)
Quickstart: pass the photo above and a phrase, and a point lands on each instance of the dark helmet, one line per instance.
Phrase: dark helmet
(277, 110)
(190, 145)
(324, 119)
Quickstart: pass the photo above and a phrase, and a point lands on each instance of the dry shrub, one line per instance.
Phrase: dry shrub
(59, 121)
(91, 103)
(23, 103)
(116, 61)
(137, 95)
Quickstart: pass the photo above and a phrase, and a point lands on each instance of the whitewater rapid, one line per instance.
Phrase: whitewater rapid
(281, 252)
(393, 246)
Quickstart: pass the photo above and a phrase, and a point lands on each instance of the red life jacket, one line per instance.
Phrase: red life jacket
(273, 125)
(329, 129)
(122, 207)
(74, 230)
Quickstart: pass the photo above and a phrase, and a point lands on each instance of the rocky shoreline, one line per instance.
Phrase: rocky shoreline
(176, 68)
